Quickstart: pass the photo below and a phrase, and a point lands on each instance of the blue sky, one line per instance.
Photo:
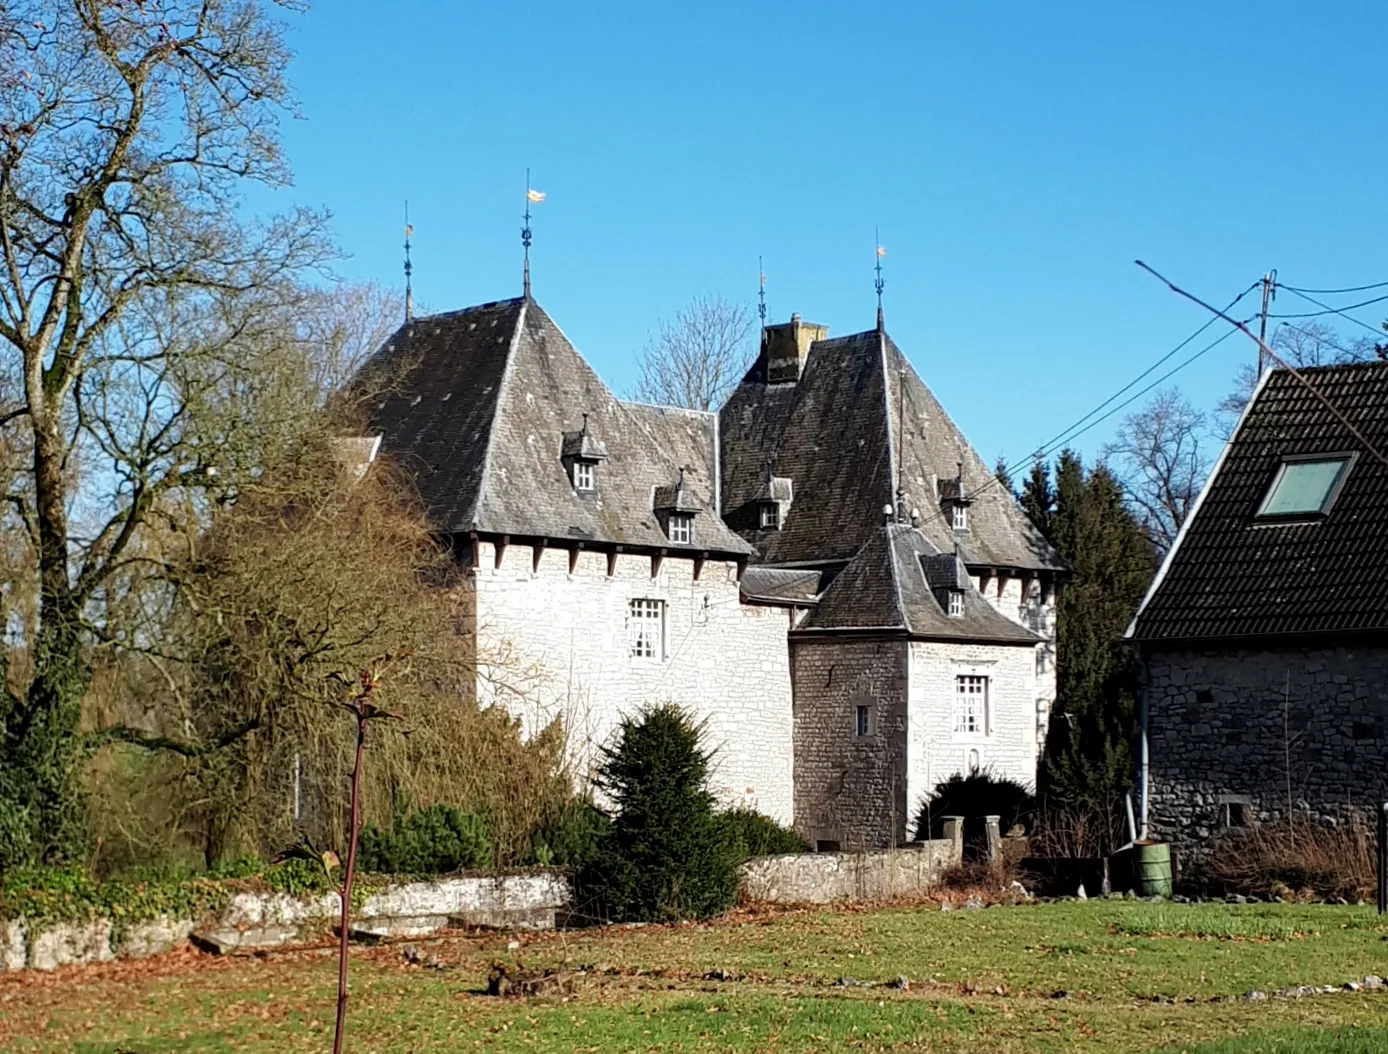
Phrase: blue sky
(1016, 156)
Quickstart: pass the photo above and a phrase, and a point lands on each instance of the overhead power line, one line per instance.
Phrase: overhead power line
(1328, 310)
(1300, 377)
(1336, 292)
(1090, 421)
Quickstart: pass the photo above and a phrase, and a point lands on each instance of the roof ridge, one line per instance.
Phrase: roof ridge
(501, 387)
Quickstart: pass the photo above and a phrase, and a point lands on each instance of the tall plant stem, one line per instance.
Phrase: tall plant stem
(347, 885)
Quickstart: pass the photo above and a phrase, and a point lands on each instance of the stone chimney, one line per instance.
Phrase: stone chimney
(786, 346)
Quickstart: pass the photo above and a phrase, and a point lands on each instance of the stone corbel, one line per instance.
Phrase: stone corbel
(656, 559)
(573, 556)
(612, 561)
(537, 552)
(501, 550)
(699, 565)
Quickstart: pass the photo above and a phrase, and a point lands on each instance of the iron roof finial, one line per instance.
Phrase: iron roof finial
(531, 196)
(584, 429)
(761, 293)
(878, 284)
(409, 267)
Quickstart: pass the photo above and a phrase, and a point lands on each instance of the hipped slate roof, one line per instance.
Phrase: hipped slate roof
(477, 408)
(886, 587)
(1229, 577)
(836, 433)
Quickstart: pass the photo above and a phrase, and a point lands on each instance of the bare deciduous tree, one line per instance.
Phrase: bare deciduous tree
(1160, 457)
(697, 358)
(141, 317)
(1305, 343)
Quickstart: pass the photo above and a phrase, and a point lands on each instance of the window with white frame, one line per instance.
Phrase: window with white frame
(863, 725)
(956, 603)
(585, 476)
(1042, 660)
(770, 515)
(646, 629)
(961, 517)
(681, 528)
(971, 704)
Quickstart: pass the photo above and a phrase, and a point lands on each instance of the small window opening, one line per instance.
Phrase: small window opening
(826, 845)
(960, 517)
(681, 528)
(585, 477)
(771, 516)
(864, 719)
(956, 603)
(1237, 814)
(1304, 487)
(1041, 661)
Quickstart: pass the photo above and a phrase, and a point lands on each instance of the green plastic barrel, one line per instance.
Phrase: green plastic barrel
(1153, 861)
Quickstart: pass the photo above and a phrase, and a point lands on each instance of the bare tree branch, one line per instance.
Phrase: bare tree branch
(697, 358)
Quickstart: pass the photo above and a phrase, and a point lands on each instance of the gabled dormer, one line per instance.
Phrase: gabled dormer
(773, 502)
(582, 453)
(948, 580)
(954, 501)
(676, 507)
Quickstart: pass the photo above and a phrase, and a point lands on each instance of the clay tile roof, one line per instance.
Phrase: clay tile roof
(482, 405)
(1230, 575)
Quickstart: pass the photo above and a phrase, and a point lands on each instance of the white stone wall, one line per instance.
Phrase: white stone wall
(554, 645)
(1039, 616)
(1008, 746)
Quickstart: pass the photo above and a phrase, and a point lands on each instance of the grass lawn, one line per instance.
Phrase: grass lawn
(1103, 976)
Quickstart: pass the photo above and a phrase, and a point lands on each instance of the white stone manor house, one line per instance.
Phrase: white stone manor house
(825, 572)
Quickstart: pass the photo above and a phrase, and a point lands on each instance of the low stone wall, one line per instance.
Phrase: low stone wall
(265, 920)
(823, 878)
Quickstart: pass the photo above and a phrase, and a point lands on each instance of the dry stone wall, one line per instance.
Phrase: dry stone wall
(850, 789)
(555, 644)
(1233, 733)
(824, 878)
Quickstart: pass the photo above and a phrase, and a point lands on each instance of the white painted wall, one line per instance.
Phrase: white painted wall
(557, 645)
(1008, 747)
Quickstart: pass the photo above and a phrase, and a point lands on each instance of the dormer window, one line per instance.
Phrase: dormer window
(580, 453)
(681, 528)
(675, 508)
(956, 603)
(959, 516)
(773, 501)
(771, 516)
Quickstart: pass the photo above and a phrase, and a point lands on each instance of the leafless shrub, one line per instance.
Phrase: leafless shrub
(1077, 832)
(1296, 857)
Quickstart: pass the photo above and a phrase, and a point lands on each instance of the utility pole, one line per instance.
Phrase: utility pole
(1269, 295)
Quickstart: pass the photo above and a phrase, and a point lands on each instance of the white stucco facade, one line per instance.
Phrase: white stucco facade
(555, 644)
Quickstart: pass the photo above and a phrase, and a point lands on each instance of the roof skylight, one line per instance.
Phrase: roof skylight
(1304, 487)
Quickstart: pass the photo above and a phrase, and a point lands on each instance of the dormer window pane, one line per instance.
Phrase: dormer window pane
(585, 478)
(956, 603)
(681, 529)
(961, 517)
(771, 515)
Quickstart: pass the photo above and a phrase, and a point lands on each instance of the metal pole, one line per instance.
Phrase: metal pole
(1383, 858)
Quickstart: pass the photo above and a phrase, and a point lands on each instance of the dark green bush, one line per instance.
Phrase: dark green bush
(974, 797)
(668, 855)
(755, 834)
(571, 837)
(434, 841)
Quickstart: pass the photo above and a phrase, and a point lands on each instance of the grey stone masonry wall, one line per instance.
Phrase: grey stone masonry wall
(1235, 735)
(823, 878)
(850, 788)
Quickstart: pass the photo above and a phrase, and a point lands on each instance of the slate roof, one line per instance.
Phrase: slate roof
(1228, 577)
(835, 434)
(477, 411)
(885, 587)
(780, 585)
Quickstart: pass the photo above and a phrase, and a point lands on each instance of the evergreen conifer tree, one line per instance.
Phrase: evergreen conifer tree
(1088, 761)
(669, 855)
